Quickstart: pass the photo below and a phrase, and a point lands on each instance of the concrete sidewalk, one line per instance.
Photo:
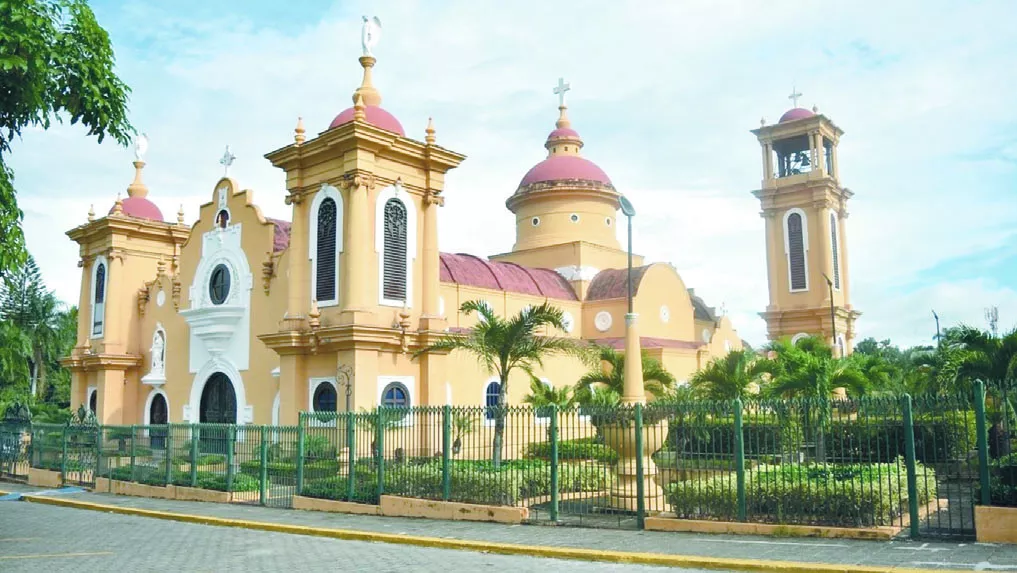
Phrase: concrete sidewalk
(678, 549)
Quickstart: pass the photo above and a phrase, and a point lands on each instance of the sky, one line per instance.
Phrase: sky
(663, 93)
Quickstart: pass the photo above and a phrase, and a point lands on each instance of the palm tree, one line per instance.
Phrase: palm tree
(505, 345)
(728, 377)
(609, 376)
(543, 395)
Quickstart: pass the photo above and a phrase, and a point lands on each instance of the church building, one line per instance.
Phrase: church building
(245, 319)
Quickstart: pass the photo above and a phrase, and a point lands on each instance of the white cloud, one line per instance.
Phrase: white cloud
(663, 93)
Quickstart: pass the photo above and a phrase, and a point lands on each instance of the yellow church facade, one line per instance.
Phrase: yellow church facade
(239, 318)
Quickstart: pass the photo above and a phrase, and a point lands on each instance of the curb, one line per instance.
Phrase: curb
(580, 554)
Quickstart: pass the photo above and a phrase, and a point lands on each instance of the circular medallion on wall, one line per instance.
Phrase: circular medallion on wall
(665, 313)
(160, 299)
(602, 321)
(567, 321)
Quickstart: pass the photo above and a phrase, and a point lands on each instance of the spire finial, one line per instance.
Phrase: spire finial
(118, 207)
(226, 160)
(180, 215)
(795, 94)
(359, 111)
(429, 138)
(91, 213)
(815, 108)
(298, 132)
(137, 188)
(367, 90)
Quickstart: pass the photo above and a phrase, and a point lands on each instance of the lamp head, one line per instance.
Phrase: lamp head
(828, 281)
(627, 209)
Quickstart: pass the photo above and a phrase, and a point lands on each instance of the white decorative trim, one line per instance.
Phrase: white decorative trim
(312, 386)
(157, 374)
(574, 217)
(838, 275)
(798, 337)
(326, 192)
(483, 399)
(568, 321)
(577, 273)
(88, 399)
(101, 259)
(276, 372)
(411, 243)
(706, 335)
(842, 345)
(665, 313)
(535, 221)
(805, 248)
(160, 298)
(245, 413)
(276, 406)
(603, 321)
(147, 416)
(441, 306)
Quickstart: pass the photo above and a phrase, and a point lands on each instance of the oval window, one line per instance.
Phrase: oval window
(219, 284)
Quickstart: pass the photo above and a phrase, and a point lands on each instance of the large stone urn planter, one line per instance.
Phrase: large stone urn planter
(621, 437)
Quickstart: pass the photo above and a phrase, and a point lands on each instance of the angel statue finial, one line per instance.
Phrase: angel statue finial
(370, 34)
(140, 147)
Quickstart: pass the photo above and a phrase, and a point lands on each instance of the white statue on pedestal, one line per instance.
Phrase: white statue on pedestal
(158, 353)
(370, 34)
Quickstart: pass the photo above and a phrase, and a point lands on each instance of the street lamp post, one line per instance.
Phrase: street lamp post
(629, 211)
(633, 390)
(833, 314)
(938, 339)
(344, 380)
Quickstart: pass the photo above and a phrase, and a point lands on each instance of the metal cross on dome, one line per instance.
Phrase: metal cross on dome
(226, 161)
(795, 94)
(560, 90)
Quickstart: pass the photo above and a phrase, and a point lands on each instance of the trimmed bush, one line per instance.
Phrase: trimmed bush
(849, 495)
(580, 449)
(312, 469)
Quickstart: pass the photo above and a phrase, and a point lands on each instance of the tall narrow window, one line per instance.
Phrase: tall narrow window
(795, 234)
(836, 251)
(99, 300)
(325, 280)
(394, 275)
(491, 394)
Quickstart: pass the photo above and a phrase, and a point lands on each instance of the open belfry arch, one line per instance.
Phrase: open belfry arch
(805, 209)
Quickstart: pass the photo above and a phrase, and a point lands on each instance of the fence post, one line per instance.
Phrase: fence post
(263, 477)
(640, 486)
(231, 438)
(63, 455)
(301, 452)
(351, 455)
(983, 443)
(446, 451)
(554, 463)
(98, 453)
(379, 445)
(194, 456)
(134, 435)
(909, 460)
(169, 454)
(739, 437)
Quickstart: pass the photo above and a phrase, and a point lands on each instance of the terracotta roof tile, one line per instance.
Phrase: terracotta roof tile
(649, 342)
(613, 283)
(281, 240)
(474, 271)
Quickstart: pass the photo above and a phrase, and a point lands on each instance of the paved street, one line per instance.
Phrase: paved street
(36, 537)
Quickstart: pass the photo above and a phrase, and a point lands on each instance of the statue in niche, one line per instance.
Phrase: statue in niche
(158, 352)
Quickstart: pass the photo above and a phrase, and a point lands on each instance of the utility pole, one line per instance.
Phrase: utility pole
(939, 340)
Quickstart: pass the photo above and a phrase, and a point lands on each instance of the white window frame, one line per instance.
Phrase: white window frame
(409, 384)
(796, 338)
(88, 399)
(805, 248)
(312, 387)
(411, 243)
(838, 275)
(147, 415)
(483, 399)
(326, 192)
(99, 260)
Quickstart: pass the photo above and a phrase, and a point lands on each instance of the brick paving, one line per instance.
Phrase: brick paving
(903, 553)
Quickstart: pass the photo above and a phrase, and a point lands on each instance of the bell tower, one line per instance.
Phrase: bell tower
(805, 208)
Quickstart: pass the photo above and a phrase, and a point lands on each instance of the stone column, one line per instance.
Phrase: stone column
(358, 246)
(85, 304)
(767, 161)
(114, 325)
(634, 392)
(431, 318)
(292, 388)
(845, 281)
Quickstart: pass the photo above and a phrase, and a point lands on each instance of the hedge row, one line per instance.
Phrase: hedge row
(845, 495)
(472, 482)
(315, 469)
(206, 480)
(580, 449)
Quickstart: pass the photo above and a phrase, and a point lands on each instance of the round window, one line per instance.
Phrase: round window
(535, 221)
(219, 284)
(574, 218)
(607, 221)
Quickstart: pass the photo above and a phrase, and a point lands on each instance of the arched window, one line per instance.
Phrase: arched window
(92, 400)
(222, 219)
(394, 258)
(836, 250)
(325, 397)
(795, 247)
(491, 399)
(326, 271)
(395, 395)
(99, 299)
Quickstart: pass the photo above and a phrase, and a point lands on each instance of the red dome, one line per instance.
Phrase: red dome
(564, 167)
(563, 132)
(141, 208)
(376, 116)
(795, 113)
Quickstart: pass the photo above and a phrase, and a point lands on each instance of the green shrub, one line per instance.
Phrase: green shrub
(580, 449)
(852, 495)
(117, 451)
(312, 469)
(202, 459)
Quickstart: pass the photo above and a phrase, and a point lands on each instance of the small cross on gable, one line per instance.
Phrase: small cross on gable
(560, 90)
(226, 161)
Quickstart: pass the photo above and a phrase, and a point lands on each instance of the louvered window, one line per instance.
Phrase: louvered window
(99, 301)
(325, 281)
(796, 251)
(836, 251)
(394, 260)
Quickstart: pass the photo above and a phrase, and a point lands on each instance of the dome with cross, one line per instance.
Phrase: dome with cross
(795, 112)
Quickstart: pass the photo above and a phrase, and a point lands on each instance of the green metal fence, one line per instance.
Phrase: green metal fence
(15, 440)
(919, 464)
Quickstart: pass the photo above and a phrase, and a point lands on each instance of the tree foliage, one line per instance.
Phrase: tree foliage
(607, 380)
(56, 62)
(736, 375)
